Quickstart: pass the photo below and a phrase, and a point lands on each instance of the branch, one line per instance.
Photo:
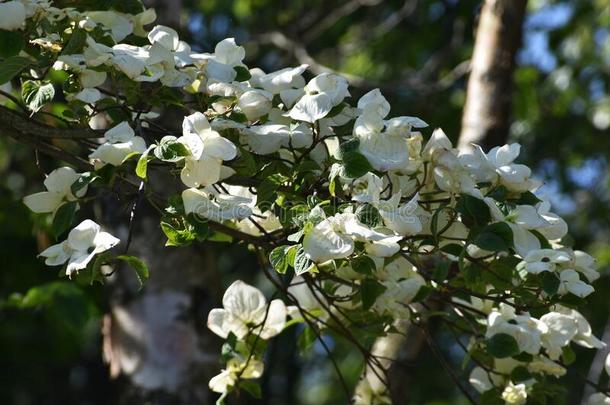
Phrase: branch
(13, 121)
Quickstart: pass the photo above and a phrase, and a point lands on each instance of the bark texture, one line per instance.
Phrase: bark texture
(486, 118)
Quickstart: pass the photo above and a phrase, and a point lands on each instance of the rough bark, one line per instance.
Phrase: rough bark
(486, 118)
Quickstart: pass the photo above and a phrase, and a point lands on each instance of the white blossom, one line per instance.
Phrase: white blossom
(58, 184)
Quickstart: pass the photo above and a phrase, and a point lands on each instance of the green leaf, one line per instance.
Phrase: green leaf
(251, 387)
(502, 345)
(177, 236)
(496, 237)
(550, 282)
(519, 374)
(278, 259)
(306, 339)
(567, 355)
(491, 397)
(138, 265)
(142, 165)
(63, 218)
(363, 265)
(11, 67)
(243, 74)
(355, 165)
(473, 210)
(35, 94)
(76, 42)
(453, 249)
(369, 215)
(302, 264)
(83, 180)
(170, 150)
(11, 43)
(369, 291)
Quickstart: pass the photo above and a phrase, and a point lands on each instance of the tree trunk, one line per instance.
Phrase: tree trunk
(486, 118)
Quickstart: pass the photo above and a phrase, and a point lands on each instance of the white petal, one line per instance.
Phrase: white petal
(374, 100)
(12, 15)
(323, 243)
(219, 147)
(311, 108)
(265, 139)
(195, 123)
(245, 302)
(200, 173)
(165, 36)
(83, 235)
(120, 133)
(222, 382)
(104, 241)
(217, 322)
(60, 180)
(229, 53)
(43, 202)
(276, 319)
(56, 254)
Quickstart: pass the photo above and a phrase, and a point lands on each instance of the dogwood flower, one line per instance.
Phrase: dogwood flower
(121, 141)
(322, 93)
(58, 184)
(569, 281)
(246, 310)
(12, 15)
(527, 331)
(402, 219)
(255, 103)
(537, 261)
(236, 369)
(83, 243)
(208, 150)
(117, 23)
(514, 394)
(207, 203)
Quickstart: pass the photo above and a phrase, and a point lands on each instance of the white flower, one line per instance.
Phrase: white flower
(84, 241)
(537, 261)
(515, 177)
(322, 93)
(527, 331)
(58, 184)
(91, 78)
(367, 188)
(245, 310)
(328, 240)
(119, 25)
(245, 369)
(208, 151)
(571, 282)
(288, 83)
(120, 143)
(397, 295)
(129, 59)
(514, 394)
(402, 219)
(215, 206)
(164, 36)
(585, 264)
(561, 329)
(229, 53)
(543, 365)
(255, 103)
(12, 15)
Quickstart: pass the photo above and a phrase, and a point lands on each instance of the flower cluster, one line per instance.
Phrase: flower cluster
(370, 213)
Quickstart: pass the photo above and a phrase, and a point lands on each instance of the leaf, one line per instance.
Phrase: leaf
(83, 180)
(502, 345)
(251, 387)
(306, 339)
(170, 150)
(243, 74)
(453, 249)
(496, 237)
(355, 165)
(11, 67)
(302, 264)
(369, 215)
(550, 282)
(76, 42)
(142, 165)
(277, 258)
(35, 94)
(11, 43)
(63, 218)
(369, 291)
(138, 265)
(175, 236)
(473, 210)
(363, 265)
